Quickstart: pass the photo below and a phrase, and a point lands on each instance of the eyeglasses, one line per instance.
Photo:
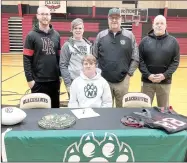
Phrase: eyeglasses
(43, 14)
(114, 18)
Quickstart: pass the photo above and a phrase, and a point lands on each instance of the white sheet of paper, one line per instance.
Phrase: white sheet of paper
(85, 113)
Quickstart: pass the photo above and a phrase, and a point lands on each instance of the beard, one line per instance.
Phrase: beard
(45, 22)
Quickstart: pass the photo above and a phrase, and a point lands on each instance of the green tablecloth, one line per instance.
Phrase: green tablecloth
(76, 144)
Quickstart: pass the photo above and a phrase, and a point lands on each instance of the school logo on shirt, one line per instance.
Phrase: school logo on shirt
(122, 42)
(83, 49)
(90, 90)
(48, 46)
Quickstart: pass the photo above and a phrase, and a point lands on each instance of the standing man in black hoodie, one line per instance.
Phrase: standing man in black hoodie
(159, 59)
(41, 58)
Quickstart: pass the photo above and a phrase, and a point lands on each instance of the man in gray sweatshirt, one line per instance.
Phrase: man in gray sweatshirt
(73, 52)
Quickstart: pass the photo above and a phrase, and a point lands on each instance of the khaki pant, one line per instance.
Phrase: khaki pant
(118, 90)
(162, 92)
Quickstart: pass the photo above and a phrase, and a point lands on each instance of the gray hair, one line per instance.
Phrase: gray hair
(76, 22)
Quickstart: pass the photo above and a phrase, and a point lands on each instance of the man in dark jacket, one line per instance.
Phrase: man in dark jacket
(159, 59)
(41, 58)
(117, 54)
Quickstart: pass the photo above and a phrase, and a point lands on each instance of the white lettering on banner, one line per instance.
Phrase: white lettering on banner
(56, 6)
(130, 11)
(52, 2)
(171, 123)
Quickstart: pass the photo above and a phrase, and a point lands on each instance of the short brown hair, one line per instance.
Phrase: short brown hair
(76, 22)
(89, 58)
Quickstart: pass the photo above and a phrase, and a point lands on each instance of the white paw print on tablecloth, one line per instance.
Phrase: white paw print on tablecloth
(89, 149)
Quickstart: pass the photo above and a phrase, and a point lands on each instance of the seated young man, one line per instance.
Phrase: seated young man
(90, 89)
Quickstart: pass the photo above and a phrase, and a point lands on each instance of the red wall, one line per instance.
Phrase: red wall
(60, 26)
(26, 25)
(66, 26)
(178, 25)
(175, 25)
(137, 31)
(5, 33)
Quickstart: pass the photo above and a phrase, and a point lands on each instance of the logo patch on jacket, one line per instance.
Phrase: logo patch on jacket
(90, 90)
(122, 42)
